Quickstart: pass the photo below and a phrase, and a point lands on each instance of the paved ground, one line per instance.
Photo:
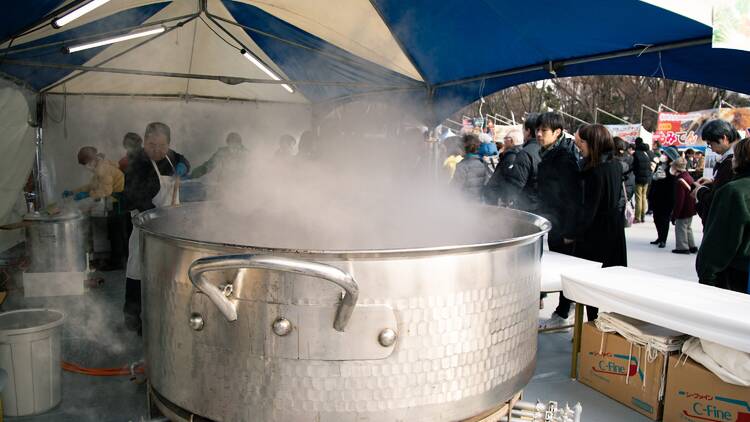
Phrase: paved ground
(94, 337)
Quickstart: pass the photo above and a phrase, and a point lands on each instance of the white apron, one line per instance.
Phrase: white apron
(168, 195)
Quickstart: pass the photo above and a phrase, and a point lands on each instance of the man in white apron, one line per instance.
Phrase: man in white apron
(151, 182)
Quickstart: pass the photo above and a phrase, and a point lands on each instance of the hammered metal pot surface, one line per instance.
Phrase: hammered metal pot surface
(464, 320)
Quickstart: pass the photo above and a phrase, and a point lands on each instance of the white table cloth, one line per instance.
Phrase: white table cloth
(706, 312)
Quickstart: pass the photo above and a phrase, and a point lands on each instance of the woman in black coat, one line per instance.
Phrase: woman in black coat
(600, 232)
(661, 195)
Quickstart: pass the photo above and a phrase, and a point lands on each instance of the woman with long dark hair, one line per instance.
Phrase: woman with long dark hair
(600, 234)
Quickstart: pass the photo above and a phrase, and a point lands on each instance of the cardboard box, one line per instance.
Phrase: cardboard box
(695, 394)
(609, 364)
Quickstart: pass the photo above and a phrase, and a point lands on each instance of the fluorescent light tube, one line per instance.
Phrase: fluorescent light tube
(113, 40)
(271, 74)
(77, 13)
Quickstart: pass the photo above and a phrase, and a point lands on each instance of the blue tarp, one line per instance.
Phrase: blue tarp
(462, 48)
(18, 16)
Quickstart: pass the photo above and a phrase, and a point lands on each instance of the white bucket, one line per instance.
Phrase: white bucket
(30, 353)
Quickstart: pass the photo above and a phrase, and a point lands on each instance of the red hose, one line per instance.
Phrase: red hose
(104, 372)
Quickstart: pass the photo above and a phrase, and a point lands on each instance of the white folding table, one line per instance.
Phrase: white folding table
(718, 315)
(553, 265)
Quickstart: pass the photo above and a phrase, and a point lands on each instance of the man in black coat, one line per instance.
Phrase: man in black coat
(560, 194)
(559, 182)
(521, 191)
(720, 137)
(642, 170)
(144, 190)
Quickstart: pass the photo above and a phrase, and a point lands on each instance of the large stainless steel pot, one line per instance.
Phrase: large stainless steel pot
(56, 243)
(437, 332)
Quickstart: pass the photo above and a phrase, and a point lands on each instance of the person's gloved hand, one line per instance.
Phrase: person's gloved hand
(67, 193)
(181, 169)
(81, 195)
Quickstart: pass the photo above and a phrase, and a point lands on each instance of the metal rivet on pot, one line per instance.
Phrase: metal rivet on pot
(196, 321)
(282, 326)
(387, 337)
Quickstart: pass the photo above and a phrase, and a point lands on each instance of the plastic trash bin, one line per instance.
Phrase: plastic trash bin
(30, 353)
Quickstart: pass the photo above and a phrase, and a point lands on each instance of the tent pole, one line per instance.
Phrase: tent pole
(573, 117)
(232, 80)
(647, 108)
(582, 60)
(611, 115)
(38, 157)
(661, 106)
(162, 97)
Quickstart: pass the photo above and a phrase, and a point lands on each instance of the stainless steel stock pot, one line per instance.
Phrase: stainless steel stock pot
(240, 329)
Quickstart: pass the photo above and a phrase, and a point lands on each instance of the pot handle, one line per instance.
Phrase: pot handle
(275, 263)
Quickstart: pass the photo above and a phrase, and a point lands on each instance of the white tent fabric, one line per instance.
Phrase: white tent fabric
(194, 48)
(352, 25)
(16, 156)
(706, 312)
(700, 11)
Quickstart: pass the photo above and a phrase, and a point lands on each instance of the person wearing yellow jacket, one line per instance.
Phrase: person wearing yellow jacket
(107, 181)
(107, 178)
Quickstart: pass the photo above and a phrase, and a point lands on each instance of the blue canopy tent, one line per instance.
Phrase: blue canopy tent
(440, 55)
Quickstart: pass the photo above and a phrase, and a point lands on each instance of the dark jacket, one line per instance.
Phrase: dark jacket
(661, 193)
(560, 192)
(642, 164)
(522, 190)
(628, 178)
(470, 176)
(722, 175)
(684, 204)
(142, 182)
(600, 232)
(724, 255)
(496, 187)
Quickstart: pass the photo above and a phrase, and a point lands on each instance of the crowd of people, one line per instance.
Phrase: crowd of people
(147, 177)
(583, 185)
